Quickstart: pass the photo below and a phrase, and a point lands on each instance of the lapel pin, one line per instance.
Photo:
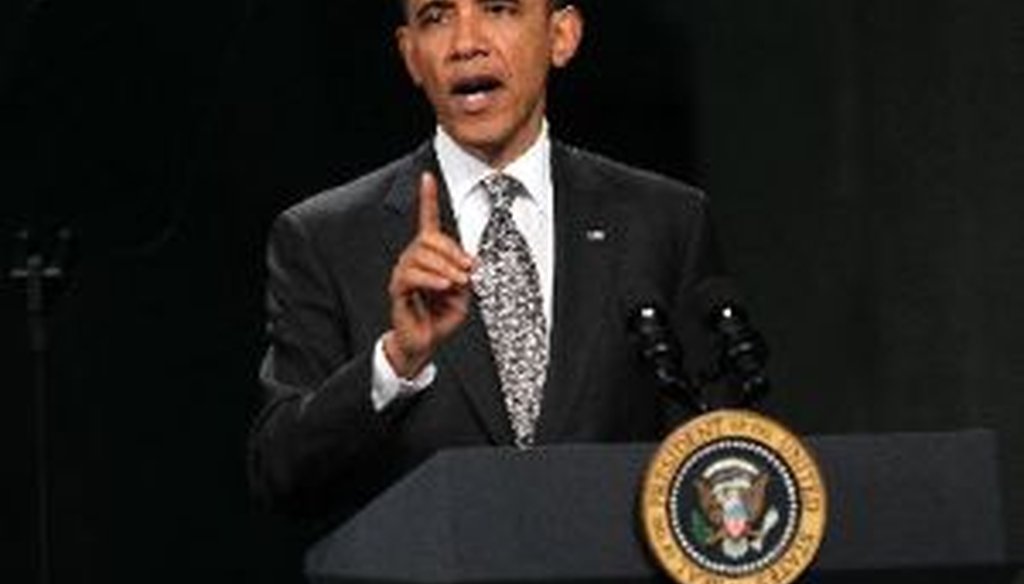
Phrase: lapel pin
(596, 235)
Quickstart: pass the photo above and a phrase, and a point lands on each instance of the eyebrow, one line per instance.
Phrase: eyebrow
(432, 5)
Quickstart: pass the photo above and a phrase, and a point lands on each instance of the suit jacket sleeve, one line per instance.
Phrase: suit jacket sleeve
(318, 423)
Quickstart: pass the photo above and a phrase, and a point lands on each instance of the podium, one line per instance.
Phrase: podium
(903, 508)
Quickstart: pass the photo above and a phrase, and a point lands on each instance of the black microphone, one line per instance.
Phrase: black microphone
(660, 349)
(741, 351)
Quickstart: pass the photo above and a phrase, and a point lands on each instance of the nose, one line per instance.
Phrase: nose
(468, 38)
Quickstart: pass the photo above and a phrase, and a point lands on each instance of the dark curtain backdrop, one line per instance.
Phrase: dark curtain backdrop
(865, 160)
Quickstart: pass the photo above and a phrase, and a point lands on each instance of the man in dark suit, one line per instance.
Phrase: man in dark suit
(387, 340)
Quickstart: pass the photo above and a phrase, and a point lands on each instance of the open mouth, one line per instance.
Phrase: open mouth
(475, 93)
(474, 85)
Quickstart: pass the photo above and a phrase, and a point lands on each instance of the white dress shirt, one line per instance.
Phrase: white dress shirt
(533, 215)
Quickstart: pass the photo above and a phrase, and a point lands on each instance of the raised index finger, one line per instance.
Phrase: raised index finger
(430, 220)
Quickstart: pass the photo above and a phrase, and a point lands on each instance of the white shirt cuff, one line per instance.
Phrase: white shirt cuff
(387, 386)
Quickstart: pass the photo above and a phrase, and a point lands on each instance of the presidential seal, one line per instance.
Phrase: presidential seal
(733, 496)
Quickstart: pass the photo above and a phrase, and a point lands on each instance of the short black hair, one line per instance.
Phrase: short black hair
(555, 5)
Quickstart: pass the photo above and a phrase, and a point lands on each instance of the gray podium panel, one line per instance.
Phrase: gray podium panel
(903, 508)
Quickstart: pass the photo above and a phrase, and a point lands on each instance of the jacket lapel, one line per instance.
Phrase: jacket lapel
(585, 244)
(467, 354)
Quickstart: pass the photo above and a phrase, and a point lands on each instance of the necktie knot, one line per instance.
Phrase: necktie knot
(502, 190)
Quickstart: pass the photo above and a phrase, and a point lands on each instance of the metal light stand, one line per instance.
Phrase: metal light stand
(38, 274)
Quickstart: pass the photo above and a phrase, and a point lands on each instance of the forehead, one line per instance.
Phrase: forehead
(413, 5)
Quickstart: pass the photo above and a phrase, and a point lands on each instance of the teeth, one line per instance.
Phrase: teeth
(476, 101)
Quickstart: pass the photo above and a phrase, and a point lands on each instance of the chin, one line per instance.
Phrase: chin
(481, 137)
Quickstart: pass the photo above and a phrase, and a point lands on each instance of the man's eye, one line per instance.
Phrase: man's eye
(432, 16)
(501, 8)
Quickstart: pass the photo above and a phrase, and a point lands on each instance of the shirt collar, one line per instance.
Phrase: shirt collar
(463, 172)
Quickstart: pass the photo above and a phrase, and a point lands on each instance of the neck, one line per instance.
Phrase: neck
(499, 156)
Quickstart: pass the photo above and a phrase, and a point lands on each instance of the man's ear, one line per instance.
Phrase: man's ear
(405, 46)
(566, 35)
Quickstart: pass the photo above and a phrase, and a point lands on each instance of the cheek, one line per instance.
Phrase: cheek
(430, 81)
(535, 78)
(531, 68)
(528, 51)
(422, 64)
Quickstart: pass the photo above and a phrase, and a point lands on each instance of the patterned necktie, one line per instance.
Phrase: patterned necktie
(507, 286)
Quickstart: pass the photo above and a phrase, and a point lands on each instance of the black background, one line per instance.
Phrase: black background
(865, 160)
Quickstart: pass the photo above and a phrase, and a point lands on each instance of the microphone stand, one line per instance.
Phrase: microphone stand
(742, 354)
(659, 348)
(35, 273)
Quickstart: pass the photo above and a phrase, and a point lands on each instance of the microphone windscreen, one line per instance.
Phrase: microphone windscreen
(714, 294)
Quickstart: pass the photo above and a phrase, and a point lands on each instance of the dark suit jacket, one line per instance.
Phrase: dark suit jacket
(622, 235)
